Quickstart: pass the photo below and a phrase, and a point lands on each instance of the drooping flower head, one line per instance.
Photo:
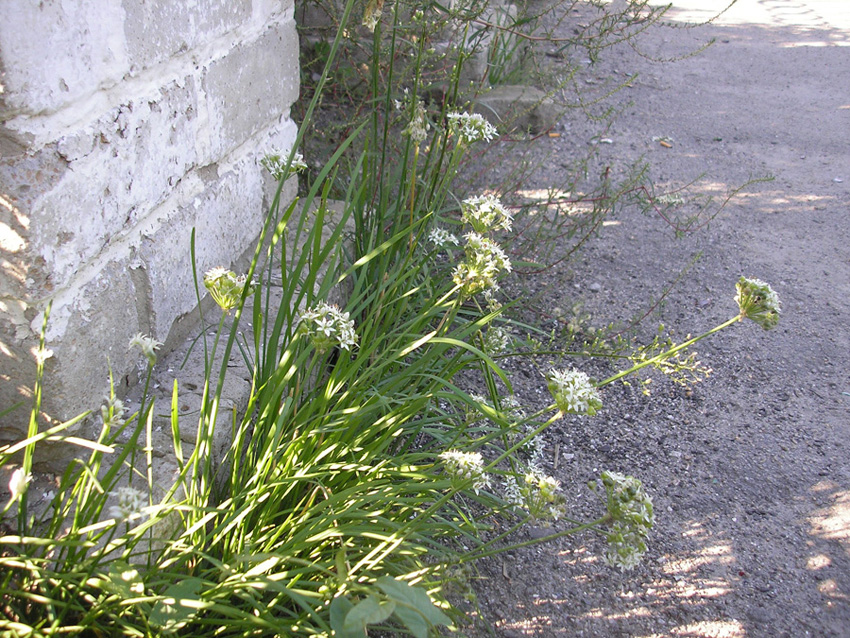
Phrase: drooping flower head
(485, 213)
(327, 326)
(484, 262)
(471, 127)
(574, 392)
(148, 346)
(757, 301)
(276, 164)
(466, 466)
(632, 516)
(226, 287)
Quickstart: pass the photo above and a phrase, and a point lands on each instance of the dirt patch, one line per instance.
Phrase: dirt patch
(748, 469)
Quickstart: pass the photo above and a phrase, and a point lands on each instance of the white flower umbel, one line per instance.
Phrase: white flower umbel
(112, 412)
(631, 512)
(148, 346)
(485, 262)
(757, 301)
(18, 484)
(573, 391)
(128, 506)
(496, 340)
(471, 127)
(485, 213)
(226, 287)
(280, 167)
(327, 326)
(538, 494)
(466, 466)
(442, 237)
(417, 128)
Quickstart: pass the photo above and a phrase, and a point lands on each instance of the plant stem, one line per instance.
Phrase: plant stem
(669, 353)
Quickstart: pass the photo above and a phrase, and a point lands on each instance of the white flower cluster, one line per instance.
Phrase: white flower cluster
(630, 509)
(485, 213)
(497, 340)
(471, 127)
(538, 494)
(442, 237)
(485, 261)
(128, 506)
(418, 127)
(533, 449)
(372, 14)
(466, 466)
(276, 164)
(226, 287)
(328, 326)
(757, 301)
(112, 412)
(573, 392)
(148, 346)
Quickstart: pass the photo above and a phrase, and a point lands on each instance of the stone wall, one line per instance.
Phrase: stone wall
(124, 125)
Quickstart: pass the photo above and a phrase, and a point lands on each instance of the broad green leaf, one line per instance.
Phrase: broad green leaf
(369, 611)
(178, 606)
(123, 580)
(340, 606)
(412, 597)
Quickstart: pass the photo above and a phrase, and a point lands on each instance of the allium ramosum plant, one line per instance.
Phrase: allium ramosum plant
(357, 478)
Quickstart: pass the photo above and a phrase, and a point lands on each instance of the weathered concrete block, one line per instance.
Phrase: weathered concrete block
(77, 373)
(56, 52)
(117, 170)
(251, 86)
(159, 29)
(524, 108)
(227, 217)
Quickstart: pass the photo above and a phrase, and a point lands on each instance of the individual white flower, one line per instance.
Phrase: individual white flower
(757, 301)
(226, 287)
(485, 213)
(148, 346)
(466, 466)
(471, 127)
(128, 506)
(484, 263)
(442, 237)
(573, 392)
(18, 484)
(279, 165)
(326, 326)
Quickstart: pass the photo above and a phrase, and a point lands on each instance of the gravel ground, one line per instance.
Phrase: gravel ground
(748, 469)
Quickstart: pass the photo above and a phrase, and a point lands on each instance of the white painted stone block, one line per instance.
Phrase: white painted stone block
(252, 85)
(56, 52)
(159, 29)
(118, 169)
